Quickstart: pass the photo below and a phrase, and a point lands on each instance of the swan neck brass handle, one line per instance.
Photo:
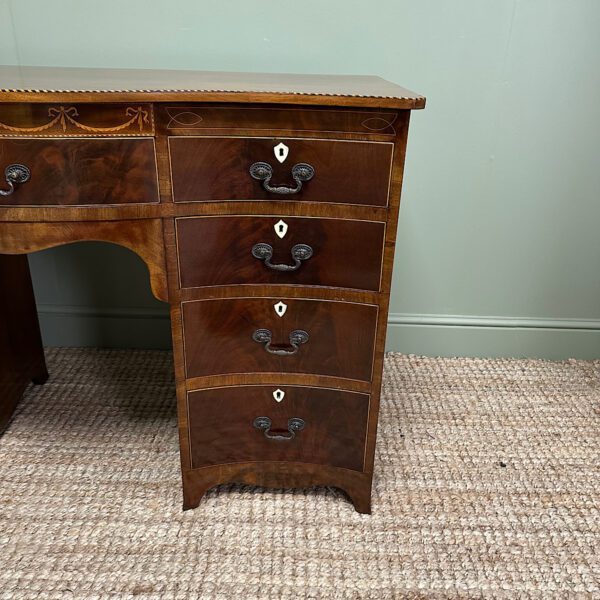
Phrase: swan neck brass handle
(263, 171)
(14, 175)
(294, 425)
(265, 337)
(299, 253)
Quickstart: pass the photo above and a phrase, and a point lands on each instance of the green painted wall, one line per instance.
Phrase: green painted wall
(499, 250)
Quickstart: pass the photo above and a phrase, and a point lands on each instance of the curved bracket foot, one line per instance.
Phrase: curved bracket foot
(356, 485)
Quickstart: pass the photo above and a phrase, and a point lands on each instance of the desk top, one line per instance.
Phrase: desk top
(68, 84)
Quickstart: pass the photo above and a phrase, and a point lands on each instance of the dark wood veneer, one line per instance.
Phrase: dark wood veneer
(218, 337)
(96, 177)
(76, 120)
(81, 171)
(21, 353)
(217, 168)
(218, 251)
(193, 119)
(142, 236)
(221, 426)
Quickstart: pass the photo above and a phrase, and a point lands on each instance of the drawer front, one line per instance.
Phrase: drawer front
(227, 336)
(310, 425)
(43, 120)
(79, 172)
(218, 168)
(261, 250)
(230, 119)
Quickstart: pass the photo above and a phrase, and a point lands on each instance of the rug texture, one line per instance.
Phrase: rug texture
(487, 485)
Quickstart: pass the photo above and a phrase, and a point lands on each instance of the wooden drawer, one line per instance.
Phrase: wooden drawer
(229, 119)
(250, 250)
(330, 427)
(80, 171)
(218, 168)
(223, 337)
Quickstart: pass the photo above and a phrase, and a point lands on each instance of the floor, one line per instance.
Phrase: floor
(487, 485)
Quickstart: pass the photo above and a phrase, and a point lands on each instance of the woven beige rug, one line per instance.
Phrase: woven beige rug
(487, 486)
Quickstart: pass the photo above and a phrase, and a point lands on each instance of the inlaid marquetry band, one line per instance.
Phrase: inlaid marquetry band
(263, 118)
(67, 120)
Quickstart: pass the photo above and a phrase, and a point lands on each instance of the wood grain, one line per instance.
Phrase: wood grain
(278, 475)
(217, 251)
(82, 171)
(187, 205)
(192, 119)
(217, 168)
(68, 84)
(218, 337)
(221, 426)
(76, 120)
(21, 353)
(144, 237)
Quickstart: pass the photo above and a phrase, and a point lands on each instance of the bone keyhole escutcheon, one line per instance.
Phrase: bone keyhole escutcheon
(280, 308)
(280, 228)
(281, 152)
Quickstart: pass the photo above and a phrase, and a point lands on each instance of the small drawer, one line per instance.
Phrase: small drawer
(79, 172)
(219, 168)
(341, 253)
(279, 335)
(270, 423)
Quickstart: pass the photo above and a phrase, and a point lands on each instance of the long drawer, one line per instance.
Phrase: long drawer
(225, 168)
(78, 171)
(286, 423)
(233, 250)
(279, 335)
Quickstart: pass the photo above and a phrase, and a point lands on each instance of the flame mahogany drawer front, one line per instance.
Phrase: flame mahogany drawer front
(341, 253)
(81, 171)
(248, 335)
(218, 168)
(248, 423)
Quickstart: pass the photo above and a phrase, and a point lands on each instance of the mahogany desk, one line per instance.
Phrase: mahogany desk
(265, 207)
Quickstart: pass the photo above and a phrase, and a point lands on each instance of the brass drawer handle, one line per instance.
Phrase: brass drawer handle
(299, 253)
(297, 337)
(15, 174)
(294, 426)
(264, 172)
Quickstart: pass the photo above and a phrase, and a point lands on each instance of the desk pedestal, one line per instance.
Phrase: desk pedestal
(21, 352)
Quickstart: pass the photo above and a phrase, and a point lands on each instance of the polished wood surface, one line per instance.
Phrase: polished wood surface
(194, 119)
(21, 353)
(218, 337)
(144, 237)
(196, 234)
(38, 84)
(82, 171)
(217, 251)
(217, 168)
(75, 120)
(222, 431)
(271, 474)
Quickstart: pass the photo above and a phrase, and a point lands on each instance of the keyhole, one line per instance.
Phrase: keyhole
(280, 228)
(280, 308)
(280, 151)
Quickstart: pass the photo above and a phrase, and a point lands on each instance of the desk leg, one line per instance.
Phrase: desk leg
(21, 352)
